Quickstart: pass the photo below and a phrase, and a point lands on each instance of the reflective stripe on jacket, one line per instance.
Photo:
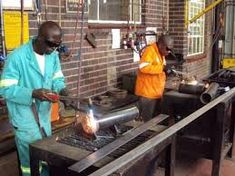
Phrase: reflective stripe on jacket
(20, 76)
(151, 78)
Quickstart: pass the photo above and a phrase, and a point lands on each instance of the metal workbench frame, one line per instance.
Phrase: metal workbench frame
(62, 155)
(157, 140)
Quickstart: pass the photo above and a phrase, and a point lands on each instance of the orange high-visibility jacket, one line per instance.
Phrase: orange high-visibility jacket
(151, 78)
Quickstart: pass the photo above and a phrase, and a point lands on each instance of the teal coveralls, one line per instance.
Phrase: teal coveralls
(21, 75)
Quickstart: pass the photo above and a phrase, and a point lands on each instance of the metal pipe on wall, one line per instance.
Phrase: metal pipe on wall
(233, 30)
(229, 29)
(216, 31)
(38, 10)
(59, 12)
(2, 30)
(81, 4)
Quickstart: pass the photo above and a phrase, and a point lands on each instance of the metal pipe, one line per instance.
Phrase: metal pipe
(210, 93)
(204, 11)
(46, 10)
(168, 15)
(118, 117)
(81, 4)
(191, 89)
(91, 122)
(2, 30)
(37, 6)
(215, 55)
(228, 29)
(233, 30)
(60, 13)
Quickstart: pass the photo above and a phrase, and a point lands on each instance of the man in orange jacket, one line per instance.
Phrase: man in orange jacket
(151, 77)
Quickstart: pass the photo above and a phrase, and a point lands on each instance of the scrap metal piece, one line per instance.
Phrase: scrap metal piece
(191, 89)
(210, 93)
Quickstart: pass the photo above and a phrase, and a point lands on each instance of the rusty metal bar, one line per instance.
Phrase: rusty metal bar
(140, 150)
(101, 153)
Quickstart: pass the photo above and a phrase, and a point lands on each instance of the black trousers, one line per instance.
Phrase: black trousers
(149, 108)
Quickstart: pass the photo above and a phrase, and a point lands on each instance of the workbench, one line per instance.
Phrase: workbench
(61, 156)
(211, 136)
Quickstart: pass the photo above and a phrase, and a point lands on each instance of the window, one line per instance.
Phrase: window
(196, 29)
(114, 11)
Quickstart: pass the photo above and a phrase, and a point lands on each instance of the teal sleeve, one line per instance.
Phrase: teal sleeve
(9, 88)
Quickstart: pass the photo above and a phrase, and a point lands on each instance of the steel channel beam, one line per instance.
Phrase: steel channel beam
(161, 137)
(101, 153)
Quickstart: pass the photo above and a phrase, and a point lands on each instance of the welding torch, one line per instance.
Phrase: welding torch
(55, 97)
(72, 101)
(170, 51)
(179, 72)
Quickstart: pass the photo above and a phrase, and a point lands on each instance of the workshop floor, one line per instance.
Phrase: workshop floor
(199, 167)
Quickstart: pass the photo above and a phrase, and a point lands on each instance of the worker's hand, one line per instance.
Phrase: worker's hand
(45, 95)
(168, 70)
(65, 92)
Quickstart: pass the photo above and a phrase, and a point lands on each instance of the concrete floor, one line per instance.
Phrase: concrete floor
(184, 167)
(199, 167)
(203, 167)
(8, 165)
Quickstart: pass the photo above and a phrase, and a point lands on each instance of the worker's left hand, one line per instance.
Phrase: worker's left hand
(45, 95)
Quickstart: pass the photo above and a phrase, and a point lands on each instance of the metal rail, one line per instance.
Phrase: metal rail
(2, 30)
(153, 142)
(101, 153)
(201, 13)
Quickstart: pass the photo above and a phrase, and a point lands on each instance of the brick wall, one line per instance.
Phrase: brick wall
(102, 66)
(176, 26)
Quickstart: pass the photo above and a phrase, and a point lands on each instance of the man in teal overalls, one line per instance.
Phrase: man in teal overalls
(30, 73)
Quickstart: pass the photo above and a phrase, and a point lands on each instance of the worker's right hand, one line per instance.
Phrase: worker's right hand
(66, 92)
(42, 94)
(168, 70)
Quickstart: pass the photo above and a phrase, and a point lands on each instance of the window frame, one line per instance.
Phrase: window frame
(201, 36)
(117, 22)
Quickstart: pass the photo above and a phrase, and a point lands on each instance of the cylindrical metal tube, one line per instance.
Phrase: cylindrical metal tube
(191, 89)
(229, 29)
(210, 93)
(233, 52)
(118, 117)
(91, 123)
